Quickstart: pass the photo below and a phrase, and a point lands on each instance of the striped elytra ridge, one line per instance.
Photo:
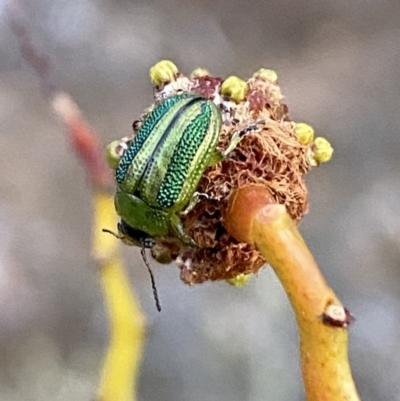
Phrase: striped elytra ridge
(167, 158)
(146, 129)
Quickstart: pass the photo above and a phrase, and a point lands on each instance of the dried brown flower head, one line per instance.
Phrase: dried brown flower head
(271, 154)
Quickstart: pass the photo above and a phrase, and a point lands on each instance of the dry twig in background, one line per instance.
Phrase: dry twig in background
(127, 324)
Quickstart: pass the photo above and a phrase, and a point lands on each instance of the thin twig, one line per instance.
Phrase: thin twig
(127, 325)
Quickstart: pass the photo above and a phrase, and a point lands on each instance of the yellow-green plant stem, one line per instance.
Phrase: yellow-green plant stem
(251, 217)
(325, 366)
(127, 324)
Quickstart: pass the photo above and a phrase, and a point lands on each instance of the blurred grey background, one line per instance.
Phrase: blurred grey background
(338, 65)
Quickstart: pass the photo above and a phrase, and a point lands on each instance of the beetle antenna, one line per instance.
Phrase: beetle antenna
(153, 282)
(106, 230)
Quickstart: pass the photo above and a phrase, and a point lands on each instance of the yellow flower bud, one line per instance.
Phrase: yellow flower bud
(115, 150)
(268, 74)
(163, 71)
(304, 133)
(324, 150)
(240, 280)
(235, 88)
(199, 72)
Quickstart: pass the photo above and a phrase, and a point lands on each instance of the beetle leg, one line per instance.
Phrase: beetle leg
(215, 158)
(238, 135)
(177, 227)
(196, 198)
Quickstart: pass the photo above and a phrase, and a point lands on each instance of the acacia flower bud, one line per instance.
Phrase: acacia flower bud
(235, 88)
(323, 150)
(162, 72)
(115, 150)
(269, 75)
(240, 280)
(304, 133)
(199, 72)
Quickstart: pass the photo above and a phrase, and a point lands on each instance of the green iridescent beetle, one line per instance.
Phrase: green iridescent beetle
(159, 171)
